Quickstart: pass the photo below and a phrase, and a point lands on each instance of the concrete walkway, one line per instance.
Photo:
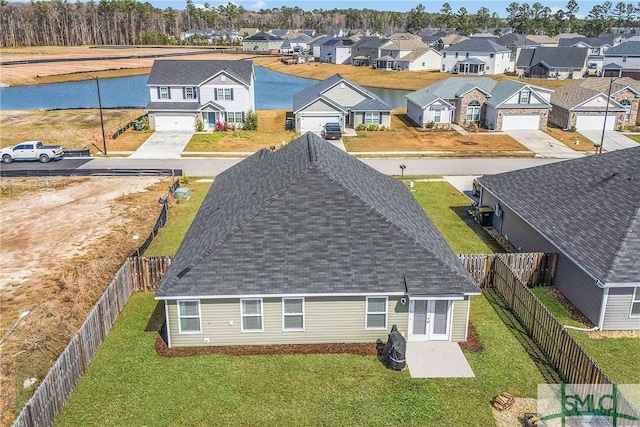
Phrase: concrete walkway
(437, 359)
(612, 140)
(163, 145)
(543, 145)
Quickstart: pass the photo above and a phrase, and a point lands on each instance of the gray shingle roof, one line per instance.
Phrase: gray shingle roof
(589, 41)
(558, 57)
(311, 219)
(371, 105)
(628, 48)
(588, 207)
(174, 106)
(369, 42)
(195, 72)
(262, 36)
(477, 44)
(450, 88)
(505, 89)
(308, 95)
(338, 42)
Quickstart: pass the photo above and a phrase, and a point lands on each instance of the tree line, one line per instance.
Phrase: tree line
(126, 22)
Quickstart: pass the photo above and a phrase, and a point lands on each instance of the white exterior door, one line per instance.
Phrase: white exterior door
(590, 122)
(315, 123)
(175, 122)
(429, 320)
(521, 122)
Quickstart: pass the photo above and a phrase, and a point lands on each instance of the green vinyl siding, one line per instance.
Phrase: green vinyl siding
(617, 315)
(459, 320)
(326, 320)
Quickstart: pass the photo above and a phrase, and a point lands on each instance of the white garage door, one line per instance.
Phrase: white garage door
(586, 122)
(315, 123)
(175, 121)
(521, 122)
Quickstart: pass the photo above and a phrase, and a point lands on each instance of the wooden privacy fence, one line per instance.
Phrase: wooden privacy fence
(564, 353)
(136, 274)
(534, 268)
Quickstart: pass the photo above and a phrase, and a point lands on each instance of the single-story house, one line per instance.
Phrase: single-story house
(183, 93)
(583, 104)
(262, 42)
(477, 56)
(503, 105)
(338, 99)
(623, 60)
(309, 245)
(553, 62)
(588, 211)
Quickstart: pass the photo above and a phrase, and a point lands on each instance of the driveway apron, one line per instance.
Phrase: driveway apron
(163, 145)
(543, 145)
(612, 140)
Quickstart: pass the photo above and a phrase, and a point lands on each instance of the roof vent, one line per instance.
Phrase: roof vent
(183, 272)
(313, 156)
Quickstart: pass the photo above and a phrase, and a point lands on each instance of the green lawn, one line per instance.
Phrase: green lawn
(636, 138)
(129, 384)
(617, 357)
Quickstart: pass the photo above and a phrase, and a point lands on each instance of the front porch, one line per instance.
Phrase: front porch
(470, 66)
(437, 359)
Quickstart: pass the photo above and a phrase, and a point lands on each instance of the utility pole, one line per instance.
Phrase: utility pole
(606, 116)
(104, 140)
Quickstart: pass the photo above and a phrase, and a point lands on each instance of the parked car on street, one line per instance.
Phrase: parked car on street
(332, 131)
(31, 150)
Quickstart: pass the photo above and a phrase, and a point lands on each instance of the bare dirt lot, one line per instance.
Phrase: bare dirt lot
(61, 242)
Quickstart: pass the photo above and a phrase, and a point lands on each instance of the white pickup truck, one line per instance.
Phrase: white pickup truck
(31, 150)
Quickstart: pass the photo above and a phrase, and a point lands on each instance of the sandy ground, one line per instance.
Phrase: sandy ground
(41, 230)
(37, 73)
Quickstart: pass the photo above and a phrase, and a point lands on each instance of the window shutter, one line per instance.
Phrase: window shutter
(168, 92)
(242, 116)
(215, 94)
(158, 89)
(232, 94)
(379, 118)
(184, 93)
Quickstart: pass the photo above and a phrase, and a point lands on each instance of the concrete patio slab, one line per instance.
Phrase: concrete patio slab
(437, 359)
(163, 145)
(543, 145)
(612, 140)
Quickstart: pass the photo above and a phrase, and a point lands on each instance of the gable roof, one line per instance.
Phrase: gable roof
(477, 44)
(588, 207)
(262, 36)
(451, 39)
(417, 53)
(589, 41)
(338, 42)
(557, 57)
(602, 84)
(311, 219)
(628, 48)
(450, 88)
(196, 72)
(541, 39)
(573, 95)
(369, 42)
(313, 92)
(404, 44)
(506, 88)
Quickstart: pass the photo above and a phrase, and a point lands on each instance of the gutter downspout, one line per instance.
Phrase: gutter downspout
(603, 305)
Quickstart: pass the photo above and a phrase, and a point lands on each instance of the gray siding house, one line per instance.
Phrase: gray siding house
(183, 93)
(310, 245)
(338, 99)
(588, 211)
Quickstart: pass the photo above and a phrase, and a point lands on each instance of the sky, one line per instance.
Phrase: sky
(398, 5)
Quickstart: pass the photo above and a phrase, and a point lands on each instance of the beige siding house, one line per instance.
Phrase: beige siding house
(308, 245)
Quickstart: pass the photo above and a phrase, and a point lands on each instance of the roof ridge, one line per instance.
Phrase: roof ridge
(384, 217)
(212, 248)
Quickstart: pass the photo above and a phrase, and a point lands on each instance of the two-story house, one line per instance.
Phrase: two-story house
(477, 56)
(336, 51)
(623, 60)
(597, 47)
(184, 93)
(553, 62)
(262, 42)
(408, 54)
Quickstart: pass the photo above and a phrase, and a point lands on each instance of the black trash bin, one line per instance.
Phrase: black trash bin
(484, 216)
(395, 350)
(137, 125)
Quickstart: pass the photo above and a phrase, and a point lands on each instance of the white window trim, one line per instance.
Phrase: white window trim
(293, 314)
(193, 92)
(367, 313)
(634, 300)
(160, 89)
(371, 118)
(242, 315)
(235, 116)
(180, 317)
(437, 116)
(222, 94)
(523, 97)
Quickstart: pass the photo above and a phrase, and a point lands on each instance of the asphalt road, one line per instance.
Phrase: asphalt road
(199, 167)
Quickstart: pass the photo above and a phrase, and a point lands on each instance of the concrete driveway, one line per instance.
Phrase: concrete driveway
(163, 145)
(612, 140)
(543, 145)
